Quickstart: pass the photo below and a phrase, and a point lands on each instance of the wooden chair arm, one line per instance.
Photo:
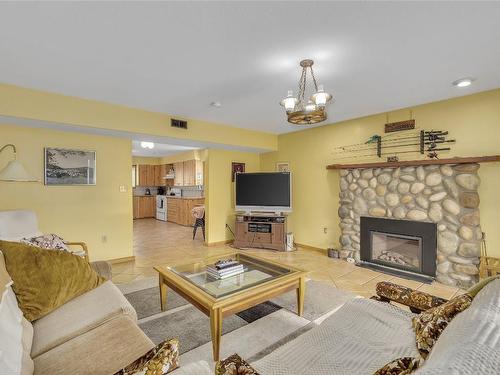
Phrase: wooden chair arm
(417, 301)
(84, 247)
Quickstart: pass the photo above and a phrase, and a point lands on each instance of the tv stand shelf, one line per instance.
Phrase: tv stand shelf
(262, 231)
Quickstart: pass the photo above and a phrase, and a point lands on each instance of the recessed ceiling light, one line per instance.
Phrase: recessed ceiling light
(463, 82)
(216, 104)
(149, 145)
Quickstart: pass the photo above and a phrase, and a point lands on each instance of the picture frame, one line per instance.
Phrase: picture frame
(282, 166)
(66, 167)
(236, 167)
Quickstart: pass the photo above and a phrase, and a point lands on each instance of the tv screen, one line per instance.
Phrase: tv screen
(263, 190)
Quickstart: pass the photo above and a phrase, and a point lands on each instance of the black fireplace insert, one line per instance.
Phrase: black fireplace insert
(400, 247)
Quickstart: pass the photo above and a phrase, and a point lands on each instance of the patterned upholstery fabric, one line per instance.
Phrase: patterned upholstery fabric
(234, 365)
(429, 324)
(413, 298)
(400, 366)
(47, 241)
(160, 360)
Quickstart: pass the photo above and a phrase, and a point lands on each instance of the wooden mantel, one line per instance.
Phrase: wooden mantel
(411, 163)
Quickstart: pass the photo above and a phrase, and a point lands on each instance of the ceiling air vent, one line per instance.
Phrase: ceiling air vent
(178, 123)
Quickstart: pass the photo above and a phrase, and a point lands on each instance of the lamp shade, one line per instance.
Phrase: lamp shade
(14, 171)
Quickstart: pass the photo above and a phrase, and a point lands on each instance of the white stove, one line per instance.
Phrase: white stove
(161, 207)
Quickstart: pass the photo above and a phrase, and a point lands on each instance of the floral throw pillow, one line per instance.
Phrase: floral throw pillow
(160, 360)
(429, 324)
(400, 366)
(234, 365)
(47, 241)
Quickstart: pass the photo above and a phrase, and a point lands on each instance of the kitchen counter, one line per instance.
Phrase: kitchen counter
(174, 197)
(179, 209)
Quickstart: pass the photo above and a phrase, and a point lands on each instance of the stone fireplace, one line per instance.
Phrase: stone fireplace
(401, 247)
(446, 196)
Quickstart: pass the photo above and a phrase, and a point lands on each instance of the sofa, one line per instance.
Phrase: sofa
(94, 333)
(366, 334)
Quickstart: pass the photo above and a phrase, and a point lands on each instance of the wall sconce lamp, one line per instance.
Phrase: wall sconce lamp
(14, 170)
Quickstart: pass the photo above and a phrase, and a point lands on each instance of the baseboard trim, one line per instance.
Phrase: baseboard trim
(219, 243)
(308, 247)
(122, 260)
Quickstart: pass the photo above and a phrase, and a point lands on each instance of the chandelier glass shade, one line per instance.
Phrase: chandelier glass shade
(302, 111)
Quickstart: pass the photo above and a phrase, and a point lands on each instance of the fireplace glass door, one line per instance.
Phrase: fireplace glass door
(397, 250)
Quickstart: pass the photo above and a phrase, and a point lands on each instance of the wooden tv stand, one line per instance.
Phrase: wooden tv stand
(262, 231)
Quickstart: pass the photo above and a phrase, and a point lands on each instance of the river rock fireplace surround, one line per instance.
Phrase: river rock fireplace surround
(445, 196)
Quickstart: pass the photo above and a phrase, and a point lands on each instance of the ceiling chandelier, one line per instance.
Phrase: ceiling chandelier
(302, 111)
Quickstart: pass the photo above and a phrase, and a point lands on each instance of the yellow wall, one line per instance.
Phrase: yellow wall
(146, 160)
(32, 104)
(77, 213)
(219, 189)
(473, 120)
(183, 156)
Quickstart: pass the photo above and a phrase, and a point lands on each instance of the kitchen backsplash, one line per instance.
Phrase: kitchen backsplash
(187, 191)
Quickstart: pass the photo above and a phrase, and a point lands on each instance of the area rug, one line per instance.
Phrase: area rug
(256, 331)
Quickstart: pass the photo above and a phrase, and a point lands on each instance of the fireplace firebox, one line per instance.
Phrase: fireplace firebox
(400, 247)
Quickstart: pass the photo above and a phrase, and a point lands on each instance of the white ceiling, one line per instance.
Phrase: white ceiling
(178, 57)
(159, 150)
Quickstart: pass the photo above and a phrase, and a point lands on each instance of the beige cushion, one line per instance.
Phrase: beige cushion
(78, 316)
(101, 351)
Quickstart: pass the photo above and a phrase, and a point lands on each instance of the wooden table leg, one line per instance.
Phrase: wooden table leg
(163, 294)
(216, 331)
(300, 296)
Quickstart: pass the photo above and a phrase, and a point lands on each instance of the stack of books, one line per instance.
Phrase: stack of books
(224, 269)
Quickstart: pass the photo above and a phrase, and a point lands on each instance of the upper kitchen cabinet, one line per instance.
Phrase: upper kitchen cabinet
(149, 175)
(179, 174)
(188, 173)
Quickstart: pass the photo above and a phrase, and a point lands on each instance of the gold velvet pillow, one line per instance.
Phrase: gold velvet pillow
(45, 280)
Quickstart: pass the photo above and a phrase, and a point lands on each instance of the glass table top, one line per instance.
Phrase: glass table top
(256, 271)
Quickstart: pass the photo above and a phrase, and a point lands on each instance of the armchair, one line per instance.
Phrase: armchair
(18, 224)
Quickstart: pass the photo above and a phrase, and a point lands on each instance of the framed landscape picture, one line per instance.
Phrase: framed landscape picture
(69, 167)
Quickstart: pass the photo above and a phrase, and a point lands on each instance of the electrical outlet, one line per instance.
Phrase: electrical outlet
(104, 238)
(123, 189)
(325, 229)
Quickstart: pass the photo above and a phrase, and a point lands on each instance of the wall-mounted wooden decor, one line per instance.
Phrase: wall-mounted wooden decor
(399, 126)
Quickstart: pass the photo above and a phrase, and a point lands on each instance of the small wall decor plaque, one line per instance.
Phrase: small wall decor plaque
(399, 126)
(69, 167)
(236, 168)
(283, 166)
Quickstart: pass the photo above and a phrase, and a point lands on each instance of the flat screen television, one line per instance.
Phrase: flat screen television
(270, 192)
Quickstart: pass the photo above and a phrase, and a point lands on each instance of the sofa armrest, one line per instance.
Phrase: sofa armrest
(84, 247)
(103, 350)
(417, 301)
(234, 365)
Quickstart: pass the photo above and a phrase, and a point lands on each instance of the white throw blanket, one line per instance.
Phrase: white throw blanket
(358, 339)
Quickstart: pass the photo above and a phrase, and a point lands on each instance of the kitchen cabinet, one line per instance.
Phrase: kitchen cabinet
(188, 173)
(153, 175)
(179, 209)
(144, 206)
(179, 174)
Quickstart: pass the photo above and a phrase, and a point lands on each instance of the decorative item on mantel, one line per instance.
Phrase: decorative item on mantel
(391, 145)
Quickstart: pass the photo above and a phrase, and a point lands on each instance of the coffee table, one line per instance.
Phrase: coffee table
(262, 280)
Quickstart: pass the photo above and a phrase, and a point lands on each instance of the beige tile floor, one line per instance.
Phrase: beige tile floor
(157, 242)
